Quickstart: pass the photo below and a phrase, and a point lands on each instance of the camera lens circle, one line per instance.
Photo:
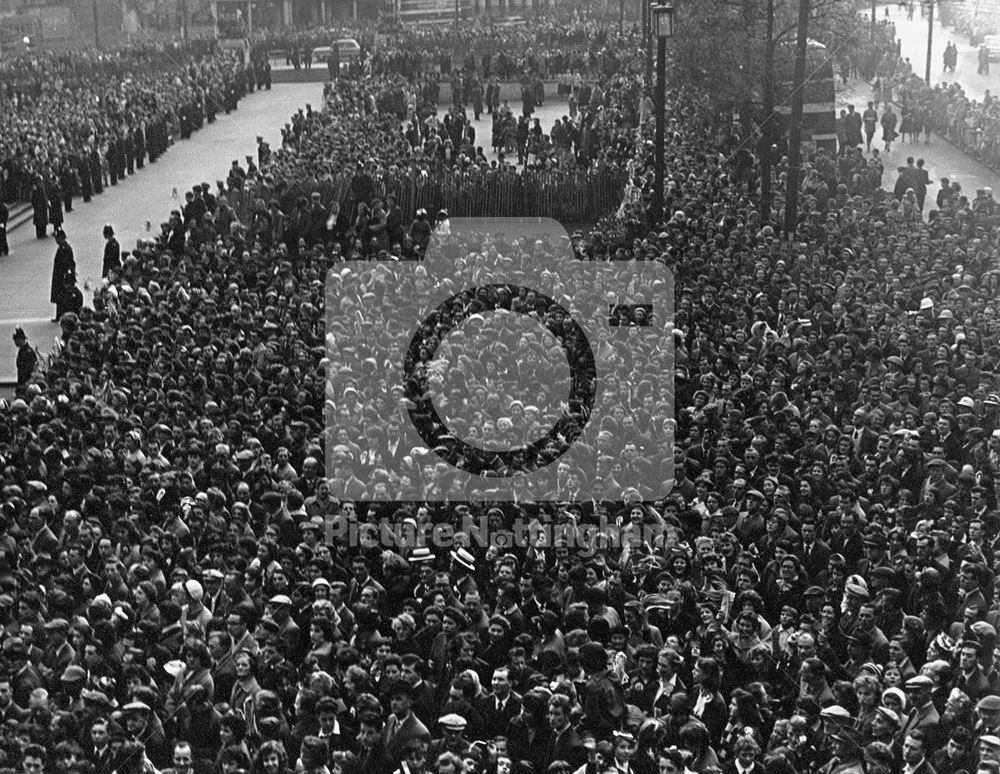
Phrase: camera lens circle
(509, 462)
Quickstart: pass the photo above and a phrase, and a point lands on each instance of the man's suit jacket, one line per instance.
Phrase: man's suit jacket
(372, 761)
(522, 748)
(397, 734)
(924, 768)
(975, 687)
(565, 746)
(920, 718)
(45, 541)
(423, 704)
(15, 712)
(104, 762)
(496, 721)
(816, 561)
(24, 682)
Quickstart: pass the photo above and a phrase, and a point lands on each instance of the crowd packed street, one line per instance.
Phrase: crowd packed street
(780, 554)
(74, 124)
(143, 198)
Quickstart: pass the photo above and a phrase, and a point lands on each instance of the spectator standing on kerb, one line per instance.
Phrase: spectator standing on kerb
(63, 273)
(27, 358)
(112, 252)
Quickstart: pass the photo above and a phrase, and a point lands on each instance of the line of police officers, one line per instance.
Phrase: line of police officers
(127, 147)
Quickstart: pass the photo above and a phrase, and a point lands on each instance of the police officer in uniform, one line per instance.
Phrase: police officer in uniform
(95, 170)
(40, 206)
(83, 173)
(27, 359)
(129, 144)
(140, 145)
(63, 274)
(112, 252)
(68, 182)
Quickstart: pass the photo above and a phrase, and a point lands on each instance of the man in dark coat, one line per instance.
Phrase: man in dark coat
(68, 183)
(4, 217)
(40, 205)
(140, 146)
(55, 205)
(27, 358)
(112, 252)
(95, 171)
(564, 744)
(83, 175)
(63, 271)
(394, 220)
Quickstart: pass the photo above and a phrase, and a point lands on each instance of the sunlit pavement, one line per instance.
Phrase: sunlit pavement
(146, 196)
(913, 34)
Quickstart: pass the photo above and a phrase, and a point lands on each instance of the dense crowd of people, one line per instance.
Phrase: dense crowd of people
(75, 123)
(383, 134)
(185, 586)
(945, 108)
(972, 125)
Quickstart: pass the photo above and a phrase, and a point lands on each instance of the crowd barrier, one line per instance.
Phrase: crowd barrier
(569, 196)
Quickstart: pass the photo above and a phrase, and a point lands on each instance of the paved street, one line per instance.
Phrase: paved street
(941, 158)
(145, 197)
(148, 195)
(914, 36)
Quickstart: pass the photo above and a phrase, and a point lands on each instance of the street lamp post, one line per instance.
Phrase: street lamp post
(663, 28)
(930, 40)
(645, 10)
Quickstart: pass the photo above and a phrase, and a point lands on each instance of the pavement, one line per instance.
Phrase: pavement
(941, 158)
(552, 110)
(138, 203)
(149, 195)
(913, 34)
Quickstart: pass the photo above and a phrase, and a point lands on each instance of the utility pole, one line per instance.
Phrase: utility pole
(662, 21)
(97, 26)
(765, 151)
(874, 22)
(645, 12)
(795, 126)
(930, 39)
(661, 121)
